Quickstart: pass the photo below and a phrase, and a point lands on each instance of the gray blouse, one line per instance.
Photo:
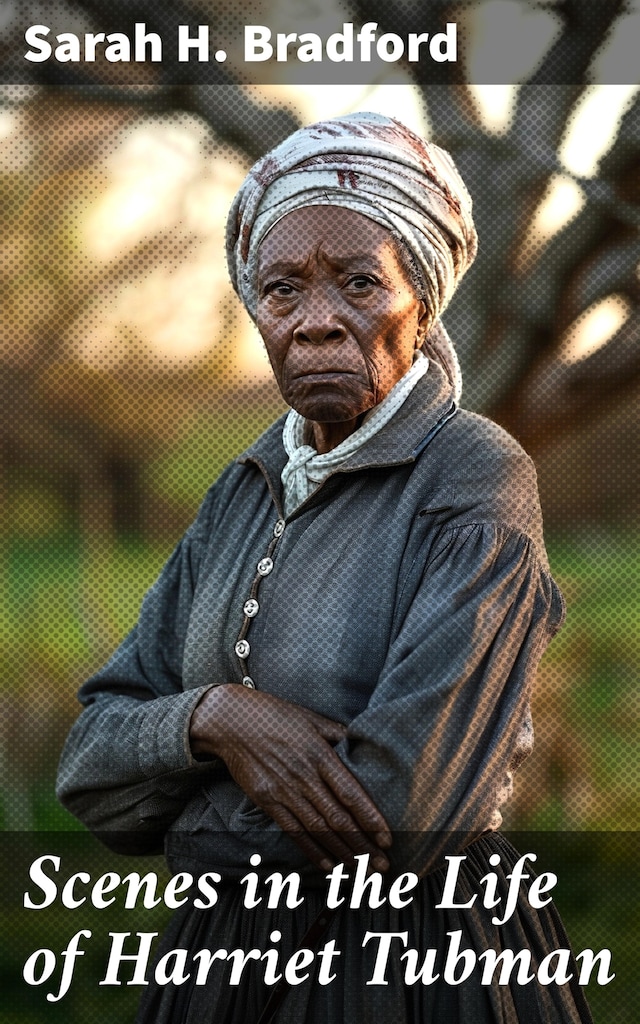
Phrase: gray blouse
(409, 597)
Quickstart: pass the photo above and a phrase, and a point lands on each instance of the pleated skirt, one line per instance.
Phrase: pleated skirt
(369, 981)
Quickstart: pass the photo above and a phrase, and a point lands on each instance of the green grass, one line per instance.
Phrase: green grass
(65, 604)
(589, 685)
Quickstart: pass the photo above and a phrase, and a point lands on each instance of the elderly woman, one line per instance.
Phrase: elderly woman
(337, 660)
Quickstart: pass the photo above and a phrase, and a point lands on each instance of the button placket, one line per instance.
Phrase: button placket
(251, 606)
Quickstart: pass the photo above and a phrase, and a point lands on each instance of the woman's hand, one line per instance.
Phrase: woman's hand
(281, 756)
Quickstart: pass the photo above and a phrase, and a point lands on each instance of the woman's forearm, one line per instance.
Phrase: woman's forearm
(127, 765)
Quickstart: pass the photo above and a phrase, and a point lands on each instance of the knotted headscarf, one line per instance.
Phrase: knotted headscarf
(379, 168)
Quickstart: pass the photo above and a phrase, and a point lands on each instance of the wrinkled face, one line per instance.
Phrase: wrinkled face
(337, 312)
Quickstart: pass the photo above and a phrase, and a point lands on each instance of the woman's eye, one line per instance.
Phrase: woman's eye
(360, 282)
(282, 288)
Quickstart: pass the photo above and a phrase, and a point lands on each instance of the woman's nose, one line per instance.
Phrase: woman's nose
(318, 324)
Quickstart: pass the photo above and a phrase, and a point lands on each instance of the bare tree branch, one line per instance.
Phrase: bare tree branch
(586, 25)
(565, 397)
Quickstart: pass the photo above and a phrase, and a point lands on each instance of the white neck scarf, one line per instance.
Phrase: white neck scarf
(306, 469)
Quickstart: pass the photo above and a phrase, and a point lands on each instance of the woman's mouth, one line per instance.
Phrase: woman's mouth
(322, 376)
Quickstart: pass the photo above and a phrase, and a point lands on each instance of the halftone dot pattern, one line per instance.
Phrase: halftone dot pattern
(151, 50)
(111, 437)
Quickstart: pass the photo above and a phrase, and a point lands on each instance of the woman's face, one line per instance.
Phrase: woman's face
(337, 312)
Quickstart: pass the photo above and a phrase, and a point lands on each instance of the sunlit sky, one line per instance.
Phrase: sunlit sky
(162, 178)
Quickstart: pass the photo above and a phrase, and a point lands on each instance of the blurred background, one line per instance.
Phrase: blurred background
(131, 376)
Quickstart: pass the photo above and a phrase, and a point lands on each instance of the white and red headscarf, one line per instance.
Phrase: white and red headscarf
(379, 168)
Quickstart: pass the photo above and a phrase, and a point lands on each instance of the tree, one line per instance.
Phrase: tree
(515, 307)
(88, 434)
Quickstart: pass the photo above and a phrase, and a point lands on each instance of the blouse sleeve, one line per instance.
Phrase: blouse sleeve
(440, 732)
(127, 768)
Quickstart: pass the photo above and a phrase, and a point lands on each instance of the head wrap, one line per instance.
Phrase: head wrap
(379, 168)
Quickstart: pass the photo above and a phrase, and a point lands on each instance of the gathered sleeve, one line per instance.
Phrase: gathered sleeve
(127, 769)
(443, 729)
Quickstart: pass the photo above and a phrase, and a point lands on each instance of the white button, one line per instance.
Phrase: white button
(248, 681)
(251, 608)
(265, 565)
(278, 529)
(242, 648)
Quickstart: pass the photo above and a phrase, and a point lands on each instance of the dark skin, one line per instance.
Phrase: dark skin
(341, 321)
(339, 317)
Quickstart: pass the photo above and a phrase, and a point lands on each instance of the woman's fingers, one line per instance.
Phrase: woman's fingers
(292, 783)
(282, 756)
(323, 847)
(351, 795)
(333, 827)
(326, 813)
(331, 731)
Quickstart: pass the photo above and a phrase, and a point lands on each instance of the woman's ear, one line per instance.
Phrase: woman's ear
(423, 323)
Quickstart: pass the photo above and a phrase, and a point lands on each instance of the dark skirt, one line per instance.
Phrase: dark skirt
(396, 997)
